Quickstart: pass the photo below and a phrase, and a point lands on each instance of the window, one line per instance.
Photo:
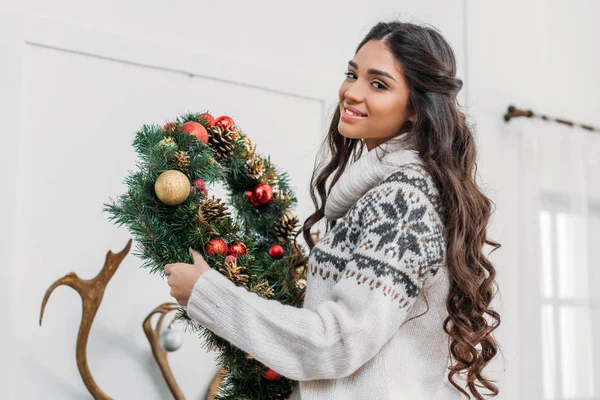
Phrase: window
(570, 312)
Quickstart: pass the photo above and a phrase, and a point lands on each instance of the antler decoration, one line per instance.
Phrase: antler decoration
(160, 355)
(213, 388)
(91, 292)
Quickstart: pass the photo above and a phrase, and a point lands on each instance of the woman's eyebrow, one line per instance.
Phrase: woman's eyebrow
(373, 71)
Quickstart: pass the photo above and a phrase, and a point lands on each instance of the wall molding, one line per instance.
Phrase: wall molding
(98, 43)
(94, 42)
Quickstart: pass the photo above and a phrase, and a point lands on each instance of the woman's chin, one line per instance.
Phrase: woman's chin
(349, 135)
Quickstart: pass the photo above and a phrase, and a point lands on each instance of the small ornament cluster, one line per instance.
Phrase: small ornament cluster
(218, 247)
(260, 195)
(172, 187)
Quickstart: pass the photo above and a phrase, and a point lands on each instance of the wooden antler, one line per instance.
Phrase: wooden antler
(91, 292)
(213, 388)
(160, 355)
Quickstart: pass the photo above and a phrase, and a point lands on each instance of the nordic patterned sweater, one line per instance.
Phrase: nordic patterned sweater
(360, 334)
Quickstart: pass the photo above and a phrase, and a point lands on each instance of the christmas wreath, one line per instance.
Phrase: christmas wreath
(168, 209)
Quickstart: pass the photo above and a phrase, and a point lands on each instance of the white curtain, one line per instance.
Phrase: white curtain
(559, 277)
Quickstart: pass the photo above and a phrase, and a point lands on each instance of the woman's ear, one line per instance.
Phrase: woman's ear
(412, 118)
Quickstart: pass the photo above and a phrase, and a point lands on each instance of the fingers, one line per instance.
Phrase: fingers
(167, 269)
(179, 300)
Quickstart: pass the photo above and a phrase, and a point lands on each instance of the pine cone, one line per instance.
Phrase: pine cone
(182, 160)
(211, 209)
(285, 226)
(262, 289)
(222, 141)
(247, 143)
(234, 273)
(255, 166)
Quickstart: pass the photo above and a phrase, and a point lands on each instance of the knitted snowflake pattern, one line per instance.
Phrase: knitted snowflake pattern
(392, 239)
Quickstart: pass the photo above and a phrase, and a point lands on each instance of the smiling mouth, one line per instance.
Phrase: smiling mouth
(347, 114)
(354, 114)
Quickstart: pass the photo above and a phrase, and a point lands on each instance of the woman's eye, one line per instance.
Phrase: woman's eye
(381, 85)
(376, 84)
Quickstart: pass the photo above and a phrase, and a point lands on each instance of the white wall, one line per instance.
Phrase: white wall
(78, 79)
(538, 55)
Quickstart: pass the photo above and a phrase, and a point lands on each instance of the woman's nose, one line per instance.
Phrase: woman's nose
(354, 93)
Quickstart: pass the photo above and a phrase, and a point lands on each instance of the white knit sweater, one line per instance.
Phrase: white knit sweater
(360, 334)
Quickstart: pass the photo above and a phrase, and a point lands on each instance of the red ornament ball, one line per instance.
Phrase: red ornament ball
(252, 198)
(263, 193)
(216, 247)
(210, 120)
(271, 375)
(199, 186)
(225, 122)
(195, 129)
(276, 251)
(237, 249)
(230, 260)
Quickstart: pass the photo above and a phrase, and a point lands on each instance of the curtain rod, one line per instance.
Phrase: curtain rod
(514, 112)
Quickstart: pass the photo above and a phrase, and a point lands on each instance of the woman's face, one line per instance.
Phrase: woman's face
(374, 89)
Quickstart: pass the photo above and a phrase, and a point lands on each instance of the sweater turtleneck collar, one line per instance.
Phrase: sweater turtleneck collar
(365, 173)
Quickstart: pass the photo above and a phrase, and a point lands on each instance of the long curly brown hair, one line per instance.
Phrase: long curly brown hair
(442, 136)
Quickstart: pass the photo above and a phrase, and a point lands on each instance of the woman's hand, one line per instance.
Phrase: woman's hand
(183, 277)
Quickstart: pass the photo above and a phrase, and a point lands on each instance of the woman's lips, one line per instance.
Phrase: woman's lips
(351, 117)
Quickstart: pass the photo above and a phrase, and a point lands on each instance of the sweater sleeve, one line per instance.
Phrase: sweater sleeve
(397, 247)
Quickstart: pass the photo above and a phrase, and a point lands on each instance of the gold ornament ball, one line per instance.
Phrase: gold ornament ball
(172, 187)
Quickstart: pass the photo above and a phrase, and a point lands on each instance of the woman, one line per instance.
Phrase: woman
(398, 292)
